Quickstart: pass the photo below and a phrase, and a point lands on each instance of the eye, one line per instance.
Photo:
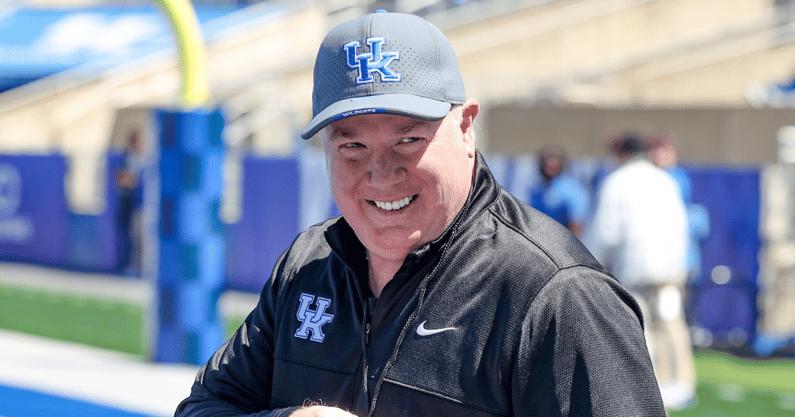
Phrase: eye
(352, 145)
(410, 139)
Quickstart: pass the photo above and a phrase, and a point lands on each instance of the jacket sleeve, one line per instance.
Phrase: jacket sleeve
(237, 380)
(583, 341)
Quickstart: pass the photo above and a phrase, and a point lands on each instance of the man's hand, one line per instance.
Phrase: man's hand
(321, 411)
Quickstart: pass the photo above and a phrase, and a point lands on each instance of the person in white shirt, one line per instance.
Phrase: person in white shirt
(639, 230)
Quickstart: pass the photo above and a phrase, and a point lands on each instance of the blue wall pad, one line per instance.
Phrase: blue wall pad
(269, 222)
(724, 299)
(33, 212)
(190, 261)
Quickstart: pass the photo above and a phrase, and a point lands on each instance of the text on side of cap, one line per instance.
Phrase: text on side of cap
(357, 112)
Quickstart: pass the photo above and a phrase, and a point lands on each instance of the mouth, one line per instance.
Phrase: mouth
(394, 205)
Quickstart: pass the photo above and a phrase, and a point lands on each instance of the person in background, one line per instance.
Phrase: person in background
(640, 230)
(128, 222)
(558, 195)
(663, 154)
(436, 293)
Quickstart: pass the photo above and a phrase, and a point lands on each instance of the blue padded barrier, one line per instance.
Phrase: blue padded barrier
(724, 309)
(190, 241)
(727, 308)
(33, 211)
(94, 242)
(732, 198)
(269, 221)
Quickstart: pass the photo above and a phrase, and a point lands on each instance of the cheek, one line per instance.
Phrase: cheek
(343, 178)
(446, 175)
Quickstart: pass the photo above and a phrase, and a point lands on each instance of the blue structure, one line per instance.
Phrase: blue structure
(33, 210)
(190, 241)
(269, 221)
(726, 306)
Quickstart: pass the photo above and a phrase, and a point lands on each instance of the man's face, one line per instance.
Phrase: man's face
(551, 166)
(400, 181)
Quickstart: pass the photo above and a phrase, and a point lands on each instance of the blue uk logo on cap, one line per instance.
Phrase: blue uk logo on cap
(384, 63)
(374, 61)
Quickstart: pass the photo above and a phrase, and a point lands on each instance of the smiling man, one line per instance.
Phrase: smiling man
(436, 293)
(400, 181)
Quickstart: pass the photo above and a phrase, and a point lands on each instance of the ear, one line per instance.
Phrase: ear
(469, 111)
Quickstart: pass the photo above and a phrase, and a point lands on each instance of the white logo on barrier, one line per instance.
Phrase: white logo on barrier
(10, 190)
(12, 227)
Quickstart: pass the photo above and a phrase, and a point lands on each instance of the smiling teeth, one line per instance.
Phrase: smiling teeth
(393, 205)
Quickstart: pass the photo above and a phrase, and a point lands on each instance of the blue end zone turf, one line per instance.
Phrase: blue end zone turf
(15, 402)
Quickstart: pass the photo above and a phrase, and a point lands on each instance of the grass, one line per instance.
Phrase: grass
(92, 321)
(728, 386)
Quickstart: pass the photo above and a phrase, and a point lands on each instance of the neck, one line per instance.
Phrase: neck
(382, 271)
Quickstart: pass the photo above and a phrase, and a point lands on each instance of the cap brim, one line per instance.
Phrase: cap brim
(402, 104)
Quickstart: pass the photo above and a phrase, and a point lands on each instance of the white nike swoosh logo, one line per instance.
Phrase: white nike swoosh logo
(422, 331)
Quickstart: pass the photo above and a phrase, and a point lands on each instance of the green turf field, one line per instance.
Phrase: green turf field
(92, 321)
(728, 386)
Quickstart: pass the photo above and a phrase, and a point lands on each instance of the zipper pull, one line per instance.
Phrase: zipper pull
(367, 335)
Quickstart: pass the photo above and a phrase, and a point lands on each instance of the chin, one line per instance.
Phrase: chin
(397, 242)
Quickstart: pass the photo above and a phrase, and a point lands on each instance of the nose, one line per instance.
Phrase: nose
(386, 167)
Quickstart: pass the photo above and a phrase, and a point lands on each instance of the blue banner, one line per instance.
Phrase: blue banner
(33, 211)
(94, 239)
(724, 297)
(269, 222)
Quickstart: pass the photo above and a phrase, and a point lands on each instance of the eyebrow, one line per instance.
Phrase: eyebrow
(332, 132)
(411, 124)
(408, 127)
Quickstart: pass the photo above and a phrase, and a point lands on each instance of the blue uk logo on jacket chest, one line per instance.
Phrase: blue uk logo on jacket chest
(312, 321)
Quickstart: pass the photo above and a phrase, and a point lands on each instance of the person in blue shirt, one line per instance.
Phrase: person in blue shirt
(558, 195)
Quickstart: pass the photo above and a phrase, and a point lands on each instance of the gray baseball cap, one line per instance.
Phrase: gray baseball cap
(384, 63)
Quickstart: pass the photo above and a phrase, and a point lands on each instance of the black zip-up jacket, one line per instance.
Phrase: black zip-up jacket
(506, 314)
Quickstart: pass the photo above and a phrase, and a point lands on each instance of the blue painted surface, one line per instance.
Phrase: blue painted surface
(17, 402)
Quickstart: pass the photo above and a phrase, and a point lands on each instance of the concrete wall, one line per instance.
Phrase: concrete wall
(711, 135)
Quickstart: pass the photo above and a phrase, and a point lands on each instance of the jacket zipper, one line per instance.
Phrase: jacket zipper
(365, 356)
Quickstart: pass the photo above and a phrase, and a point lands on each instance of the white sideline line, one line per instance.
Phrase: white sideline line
(107, 286)
(94, 375)
(91, 374)
(78, 283)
